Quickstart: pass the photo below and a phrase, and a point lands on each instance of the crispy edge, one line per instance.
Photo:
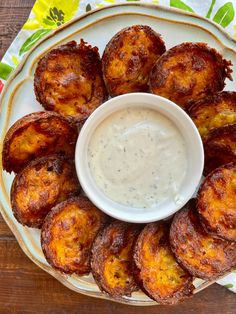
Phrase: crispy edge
(21, 124)
(83, 202)
(174, 230)
(200, 205)
(181, 48)
(114, 41)
(34, 163)
(212, 100)
(97, 261)
(177, 297)
(69, 48)
(226, 151)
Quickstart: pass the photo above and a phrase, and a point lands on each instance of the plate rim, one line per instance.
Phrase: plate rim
(155, 7)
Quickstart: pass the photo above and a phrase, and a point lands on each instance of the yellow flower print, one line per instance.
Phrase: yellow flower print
(51, 13)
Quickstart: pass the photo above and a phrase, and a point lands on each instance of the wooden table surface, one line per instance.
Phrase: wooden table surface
(25, 288)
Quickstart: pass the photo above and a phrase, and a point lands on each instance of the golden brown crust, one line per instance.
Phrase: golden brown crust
(112, 258)
(35, 135)
(217, 202)
(220, 147)
(214, 111)
(188, 72)
(69, 80)
(45, 182)
(68, 233)
(203, 255)
(162, 277)
(129, 57)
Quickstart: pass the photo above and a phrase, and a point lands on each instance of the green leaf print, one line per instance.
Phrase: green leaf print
(55, 17)
(225, 15)
(48, 22)
(5, 70)
(234, 271)
(51, 13)
(210, 9)
(88, 7)
(33, 39)
(229, 285)
(180, 5)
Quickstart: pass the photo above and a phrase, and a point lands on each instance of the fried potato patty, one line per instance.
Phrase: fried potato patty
(112, 259)
(214, 111)
(188, 72)
(35, 135)
(129, 57)
(163, 279)
(220, 147)
(203, 255)
(68, 233)
(42, 184)
(217, 202)
(68, 80)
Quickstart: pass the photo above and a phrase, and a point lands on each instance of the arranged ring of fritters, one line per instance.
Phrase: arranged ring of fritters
(68, 80)
(129, 57)
(214, 111)
(203, 255)
(112, 259)
(161, 277)
(188, 72)
(216, 202)
(68, 233)
(35, 135)
(220, 147)
(42, 184)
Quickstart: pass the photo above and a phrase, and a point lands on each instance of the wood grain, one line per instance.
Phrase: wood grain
(13, 14)
(25, 288)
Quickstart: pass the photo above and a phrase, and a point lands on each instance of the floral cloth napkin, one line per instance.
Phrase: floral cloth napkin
(49, 14)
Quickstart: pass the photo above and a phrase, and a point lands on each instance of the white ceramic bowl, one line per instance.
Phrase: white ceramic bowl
(194, 148)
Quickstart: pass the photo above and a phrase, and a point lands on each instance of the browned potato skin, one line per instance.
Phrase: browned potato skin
(216, 202)
(220, 147)
(203, 255)
(214, 111)
(188, 72)
(68, 233)
(68, 80)
(35, 135)
(128, 59)
(45, 182)
(112, 259)
(157, 269)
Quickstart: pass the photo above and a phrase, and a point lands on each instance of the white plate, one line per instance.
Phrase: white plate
(96, 28)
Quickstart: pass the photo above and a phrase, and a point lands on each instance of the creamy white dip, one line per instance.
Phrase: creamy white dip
(138, 158)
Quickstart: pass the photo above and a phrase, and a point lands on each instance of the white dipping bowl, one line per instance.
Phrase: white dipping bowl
(194, 147)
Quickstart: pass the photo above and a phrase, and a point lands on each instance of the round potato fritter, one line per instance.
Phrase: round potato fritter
(214, 111)
(188, 72)
(35, 135)
(44, 183)
(68, 233)
(69, 80)
(203, 255)
(217, 202)
(220, 147)
(112, 259)
(162, 278)
(128, 59)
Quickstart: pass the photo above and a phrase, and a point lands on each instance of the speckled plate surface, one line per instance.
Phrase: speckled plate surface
(97, 28)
